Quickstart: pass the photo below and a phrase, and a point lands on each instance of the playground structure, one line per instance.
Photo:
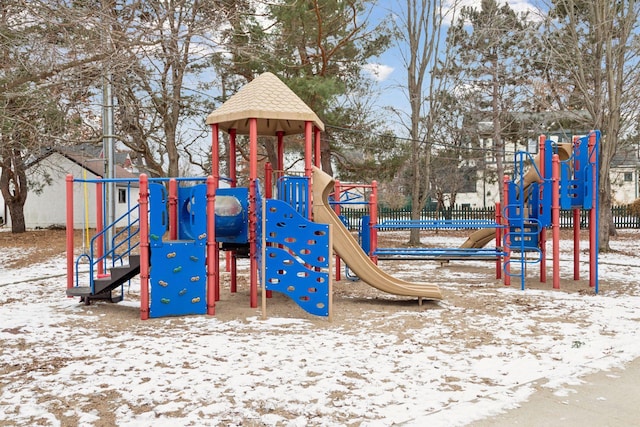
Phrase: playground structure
(561, 176)
(174, 236)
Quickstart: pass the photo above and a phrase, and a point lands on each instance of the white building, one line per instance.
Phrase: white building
(624, 170)
(46, 202)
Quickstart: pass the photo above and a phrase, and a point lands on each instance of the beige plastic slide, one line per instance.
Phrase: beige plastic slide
(350, 251)
(480, 238)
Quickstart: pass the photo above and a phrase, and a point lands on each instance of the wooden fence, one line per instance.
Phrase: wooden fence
(622, 218)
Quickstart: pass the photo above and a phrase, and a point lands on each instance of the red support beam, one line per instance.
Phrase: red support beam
(173, 209)
(373, 220)
(507, 240)
(144, 247)
(213, 266)
(253, 218)
(543, 232)
(555, 220)
(100, 228)
(593, 213)
(69, 232)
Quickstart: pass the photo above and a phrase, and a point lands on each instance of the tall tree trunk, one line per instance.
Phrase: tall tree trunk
(416, 207)
(16, 211)
(498, 143)
(13, 184)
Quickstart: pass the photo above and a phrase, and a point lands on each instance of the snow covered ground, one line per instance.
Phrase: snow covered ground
(480, 351)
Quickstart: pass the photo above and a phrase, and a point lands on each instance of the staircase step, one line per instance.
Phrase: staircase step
(79, 291)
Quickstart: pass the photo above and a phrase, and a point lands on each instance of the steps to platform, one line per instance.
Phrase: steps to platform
(103, 286)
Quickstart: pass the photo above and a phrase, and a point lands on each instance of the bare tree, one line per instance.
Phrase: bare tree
(47, 53)
(419, 28)
(490, 46)
(156, 86)
(593, 48)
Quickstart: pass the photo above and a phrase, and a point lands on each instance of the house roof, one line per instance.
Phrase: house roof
(564, 124)
(268, 99)
(626, 156)
(89, 157)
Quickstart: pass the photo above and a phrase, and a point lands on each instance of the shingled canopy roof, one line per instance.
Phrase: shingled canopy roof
(270, 101)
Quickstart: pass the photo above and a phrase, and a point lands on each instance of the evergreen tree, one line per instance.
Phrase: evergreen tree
(593, 47)
(491, 59)
(319, 49)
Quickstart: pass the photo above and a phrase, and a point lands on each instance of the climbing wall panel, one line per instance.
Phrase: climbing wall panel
(297, 257)
(178, 279)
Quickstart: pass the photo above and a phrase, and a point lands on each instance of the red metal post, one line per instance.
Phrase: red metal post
(507, 241)
(593, 213)
(308, 155)
(337, 208)
(555, 220)
(229, 258)
(69, 231)
(280, 165)
(213, 266)
(215, 174)
(576, 217)
(576, 243)
(100, 228)
(543, 231)
(144, 246)
(268, 181)
(173, 209)
(234, 273)
(233, 173)
(317, 141)
(498, 240)
(373, 220)
(253, 218)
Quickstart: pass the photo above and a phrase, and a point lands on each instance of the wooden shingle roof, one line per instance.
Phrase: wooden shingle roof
(269, 100)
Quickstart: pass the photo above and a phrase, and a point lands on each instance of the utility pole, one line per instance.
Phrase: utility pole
(108, 142)
(109, 155)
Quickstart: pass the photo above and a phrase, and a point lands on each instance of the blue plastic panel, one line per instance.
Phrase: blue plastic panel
(158, 214)
(305, 286)
(308, 240)
(297, 257)
(365, 235)
(178, 280)
(232, 226)
(295, 191)
(192, 213)
(514, 211)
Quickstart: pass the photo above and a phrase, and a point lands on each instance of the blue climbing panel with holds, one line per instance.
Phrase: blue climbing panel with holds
(297, 257)
(192, 213)
(178, 279)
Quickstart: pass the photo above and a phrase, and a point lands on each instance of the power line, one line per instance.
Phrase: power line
(433, 144)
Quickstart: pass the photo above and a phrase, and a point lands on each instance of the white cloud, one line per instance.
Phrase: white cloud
(379, 72)
(451, 8)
